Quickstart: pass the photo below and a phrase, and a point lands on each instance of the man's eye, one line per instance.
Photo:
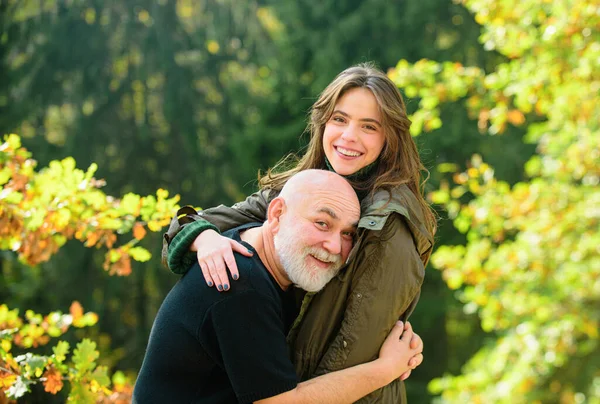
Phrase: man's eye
(321, 224)
(348, 235)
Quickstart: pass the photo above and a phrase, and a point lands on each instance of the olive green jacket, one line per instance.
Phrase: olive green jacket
(344, 324)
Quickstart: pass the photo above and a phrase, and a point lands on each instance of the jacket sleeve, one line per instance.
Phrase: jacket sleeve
(386, 284)
(188, 224)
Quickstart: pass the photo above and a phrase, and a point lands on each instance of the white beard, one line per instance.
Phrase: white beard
(293, 259)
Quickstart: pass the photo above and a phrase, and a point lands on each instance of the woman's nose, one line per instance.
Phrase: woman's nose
(350, 133)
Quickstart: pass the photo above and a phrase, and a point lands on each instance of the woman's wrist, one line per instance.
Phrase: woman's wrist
(180, 246)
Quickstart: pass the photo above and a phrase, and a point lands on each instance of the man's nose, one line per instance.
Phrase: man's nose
(333, 244)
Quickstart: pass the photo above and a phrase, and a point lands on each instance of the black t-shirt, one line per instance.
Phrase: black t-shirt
(220, 347)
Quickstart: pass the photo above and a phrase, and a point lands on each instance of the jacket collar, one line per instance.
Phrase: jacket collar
(376, 210)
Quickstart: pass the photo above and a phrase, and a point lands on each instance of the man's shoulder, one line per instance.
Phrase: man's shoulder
(254, 280)
(235, 232)
(253, 276)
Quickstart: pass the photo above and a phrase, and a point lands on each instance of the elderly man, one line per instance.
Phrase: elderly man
(211, 347)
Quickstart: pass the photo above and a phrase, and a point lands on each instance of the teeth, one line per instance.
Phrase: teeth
(347, 152)
(325, 260)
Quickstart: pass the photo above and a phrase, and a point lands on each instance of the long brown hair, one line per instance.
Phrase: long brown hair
(399, 161)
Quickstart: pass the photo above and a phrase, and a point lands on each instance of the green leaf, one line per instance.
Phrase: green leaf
(440, 197)
(100, 375)
(61, 350)
(33, 363)
(91, 171)
(14, 141)
(37, 365)
(81, 394)
(131, 203)
(140, 254)
(85, 355)
(12, 197)
(63, 217)
(447, 167)
(119, 378)
(4, 176)
(534, 166)
(36, 219)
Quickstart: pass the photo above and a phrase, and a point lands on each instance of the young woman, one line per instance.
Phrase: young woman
(360, 130)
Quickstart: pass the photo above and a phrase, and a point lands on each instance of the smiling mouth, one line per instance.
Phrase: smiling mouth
(321, 263)
(347, 152)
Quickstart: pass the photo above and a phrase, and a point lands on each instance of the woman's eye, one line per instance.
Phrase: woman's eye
(371, 127)
(338, 119)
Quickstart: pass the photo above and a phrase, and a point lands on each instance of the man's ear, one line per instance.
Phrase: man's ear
(276, 209)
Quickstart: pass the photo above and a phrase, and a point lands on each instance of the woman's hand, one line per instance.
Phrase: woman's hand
(415, 343)
(215, 253)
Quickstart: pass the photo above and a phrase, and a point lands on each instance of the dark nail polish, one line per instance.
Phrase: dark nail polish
(226, 286)
(250, 252)
(210, 283)
(235, 277)
(220, 288)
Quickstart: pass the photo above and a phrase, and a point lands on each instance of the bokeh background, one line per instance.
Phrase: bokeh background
(195, 96)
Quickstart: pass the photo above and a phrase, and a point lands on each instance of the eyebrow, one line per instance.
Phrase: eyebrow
(329, 212)
(363, 120)
(334, 215)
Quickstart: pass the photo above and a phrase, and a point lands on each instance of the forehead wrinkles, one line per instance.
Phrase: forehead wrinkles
(337, 201)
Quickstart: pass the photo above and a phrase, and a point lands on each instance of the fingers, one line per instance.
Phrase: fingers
(235, 246)
(225, 260)
(415, 361)
(206, 273)
(215, 274)
(216, 267)
(412, 364)
(230, 260)
(397, 330)
(210, 267)
(407, 333)
(405, 375)
(215, 256)
(416, 342)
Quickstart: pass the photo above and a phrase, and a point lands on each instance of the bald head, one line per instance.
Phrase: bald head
(312, 184)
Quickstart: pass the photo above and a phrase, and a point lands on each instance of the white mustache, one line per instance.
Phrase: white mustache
(324, 256)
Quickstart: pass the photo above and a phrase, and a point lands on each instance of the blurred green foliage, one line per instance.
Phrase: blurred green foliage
(39, 212)
(196, 96)
(531, 265)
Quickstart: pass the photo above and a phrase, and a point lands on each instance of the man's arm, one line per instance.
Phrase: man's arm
(244, 332)
(349, 385)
